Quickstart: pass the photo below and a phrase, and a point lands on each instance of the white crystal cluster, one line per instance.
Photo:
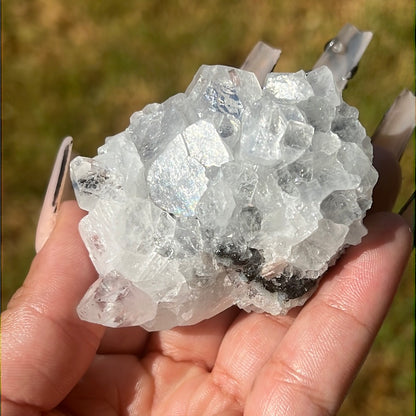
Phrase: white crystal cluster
(228, 194)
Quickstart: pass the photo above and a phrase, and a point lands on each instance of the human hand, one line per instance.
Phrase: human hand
(235, 363)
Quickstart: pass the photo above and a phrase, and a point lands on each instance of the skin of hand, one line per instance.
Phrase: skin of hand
(235, 363)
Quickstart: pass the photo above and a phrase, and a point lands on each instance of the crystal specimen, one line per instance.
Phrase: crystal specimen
(228, 194)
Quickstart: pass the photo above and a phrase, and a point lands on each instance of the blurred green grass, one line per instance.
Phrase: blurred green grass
(82, 69)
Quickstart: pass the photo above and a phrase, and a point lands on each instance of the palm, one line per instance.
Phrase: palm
(179, 370)
(208, 368)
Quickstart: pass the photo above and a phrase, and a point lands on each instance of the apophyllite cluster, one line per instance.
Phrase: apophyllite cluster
(231, 193)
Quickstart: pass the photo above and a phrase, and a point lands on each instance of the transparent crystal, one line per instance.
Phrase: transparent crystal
(176, 181)
(227, 194)
(289, 88)
(263, 127)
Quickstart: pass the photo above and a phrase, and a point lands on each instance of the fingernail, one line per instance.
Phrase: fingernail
(261, 60)
(54, 192)
(342, 54)
(395, 129)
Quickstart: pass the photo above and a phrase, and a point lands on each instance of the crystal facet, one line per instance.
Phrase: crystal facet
(228, 194)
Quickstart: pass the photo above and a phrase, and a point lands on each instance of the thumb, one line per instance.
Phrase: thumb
(46, 348)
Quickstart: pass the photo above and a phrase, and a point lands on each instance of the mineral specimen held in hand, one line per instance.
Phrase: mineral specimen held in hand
(228, 194)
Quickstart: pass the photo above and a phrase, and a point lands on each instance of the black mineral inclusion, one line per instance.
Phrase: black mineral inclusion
(250, 264)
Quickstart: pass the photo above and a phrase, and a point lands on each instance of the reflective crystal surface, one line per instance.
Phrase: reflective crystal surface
(227, 194)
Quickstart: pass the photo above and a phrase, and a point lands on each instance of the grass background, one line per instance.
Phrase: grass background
(81, 68)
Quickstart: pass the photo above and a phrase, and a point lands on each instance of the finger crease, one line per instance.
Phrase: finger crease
(227, 385)
(349, 315)
(66, 327)
(298, 382)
